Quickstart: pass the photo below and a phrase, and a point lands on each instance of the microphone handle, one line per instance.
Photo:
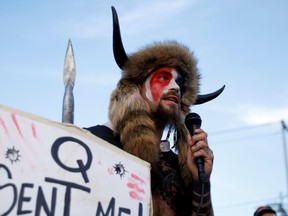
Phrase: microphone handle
(199, 161)
(201, 170)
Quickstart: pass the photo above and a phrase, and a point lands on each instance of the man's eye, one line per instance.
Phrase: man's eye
(163, 78)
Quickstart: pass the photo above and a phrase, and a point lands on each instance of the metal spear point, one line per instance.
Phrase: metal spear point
(69, 80)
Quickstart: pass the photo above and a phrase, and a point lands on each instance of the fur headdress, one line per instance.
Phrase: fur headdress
(130, 113)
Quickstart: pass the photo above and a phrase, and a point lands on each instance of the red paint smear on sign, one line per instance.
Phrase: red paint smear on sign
(134, 195)
(135, 187)
(34, 132)
(3, 125)
(134, 176)
(110, 171)
(16, 124)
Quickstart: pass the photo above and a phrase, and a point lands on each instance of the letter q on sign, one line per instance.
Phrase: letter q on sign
(64, 148)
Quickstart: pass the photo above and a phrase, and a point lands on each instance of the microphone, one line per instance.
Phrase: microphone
(193, 121)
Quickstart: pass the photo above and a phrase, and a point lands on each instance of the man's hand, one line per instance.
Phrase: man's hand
(198, 147)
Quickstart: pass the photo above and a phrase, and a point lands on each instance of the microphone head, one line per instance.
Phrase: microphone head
(193, 119)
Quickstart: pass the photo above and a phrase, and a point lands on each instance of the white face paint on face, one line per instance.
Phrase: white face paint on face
(162, 81)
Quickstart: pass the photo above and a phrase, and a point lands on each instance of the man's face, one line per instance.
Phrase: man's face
(162, 88)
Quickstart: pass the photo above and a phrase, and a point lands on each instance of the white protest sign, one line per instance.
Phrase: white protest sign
(48, 168)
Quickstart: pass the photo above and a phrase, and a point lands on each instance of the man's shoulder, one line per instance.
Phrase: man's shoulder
(98, 129)
(105, 133)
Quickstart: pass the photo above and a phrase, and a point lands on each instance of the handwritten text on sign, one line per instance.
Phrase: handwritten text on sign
(48, 168)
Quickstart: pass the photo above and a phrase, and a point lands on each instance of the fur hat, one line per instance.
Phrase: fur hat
(130, 113)
(165, 54)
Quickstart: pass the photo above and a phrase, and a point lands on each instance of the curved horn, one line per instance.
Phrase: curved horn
(120, 55)
(207, 97)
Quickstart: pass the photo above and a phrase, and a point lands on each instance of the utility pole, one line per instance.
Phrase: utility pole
(278, 207)
(284, 128)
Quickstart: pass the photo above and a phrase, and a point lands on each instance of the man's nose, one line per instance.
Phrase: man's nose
(174, 86)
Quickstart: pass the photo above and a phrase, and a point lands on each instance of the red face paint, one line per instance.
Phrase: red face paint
(162, 80)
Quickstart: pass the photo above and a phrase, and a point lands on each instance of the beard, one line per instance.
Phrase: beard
(139, 124)
(164, 117)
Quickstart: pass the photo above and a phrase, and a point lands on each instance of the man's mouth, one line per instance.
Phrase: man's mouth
(173, 98)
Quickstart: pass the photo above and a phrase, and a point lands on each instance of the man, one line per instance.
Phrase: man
(265, 211)
(157, 86)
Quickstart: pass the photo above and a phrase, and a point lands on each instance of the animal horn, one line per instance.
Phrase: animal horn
(120, 55)
(208, 97)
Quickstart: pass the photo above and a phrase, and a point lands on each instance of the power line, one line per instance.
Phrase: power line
(255, 136)
(249, 134)
(242, 128)
(249, 137)
(277, 204)
(236, 205)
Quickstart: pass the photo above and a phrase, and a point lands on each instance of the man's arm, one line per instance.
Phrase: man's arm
(198, 147)
(203, 207)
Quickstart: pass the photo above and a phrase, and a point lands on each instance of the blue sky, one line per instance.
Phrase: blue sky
(242, 44)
